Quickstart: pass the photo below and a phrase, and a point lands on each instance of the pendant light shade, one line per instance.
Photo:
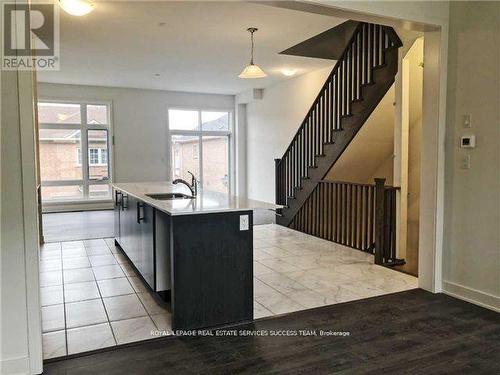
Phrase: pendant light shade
(77, 7)
(252, 70)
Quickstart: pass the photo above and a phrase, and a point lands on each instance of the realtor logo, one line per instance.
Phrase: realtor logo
(30, 36)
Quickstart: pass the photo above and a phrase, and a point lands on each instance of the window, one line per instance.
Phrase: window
(200, 142)
(104, 156)
(67, 173)
(93, 156)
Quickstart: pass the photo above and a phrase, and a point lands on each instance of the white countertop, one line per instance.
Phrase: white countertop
(205, 202)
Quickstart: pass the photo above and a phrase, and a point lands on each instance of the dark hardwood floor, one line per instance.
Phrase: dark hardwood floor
(410, 332)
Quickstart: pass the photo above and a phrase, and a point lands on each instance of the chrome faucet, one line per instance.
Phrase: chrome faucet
(193, 186)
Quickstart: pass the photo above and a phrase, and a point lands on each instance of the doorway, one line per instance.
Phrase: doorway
(411, 139)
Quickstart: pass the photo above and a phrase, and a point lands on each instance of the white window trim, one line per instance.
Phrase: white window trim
(200, 133)
(58, 205)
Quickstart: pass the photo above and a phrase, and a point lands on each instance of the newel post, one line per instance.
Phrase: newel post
(277, 181)
(379, 220)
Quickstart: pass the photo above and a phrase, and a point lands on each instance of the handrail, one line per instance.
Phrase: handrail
(355, 183)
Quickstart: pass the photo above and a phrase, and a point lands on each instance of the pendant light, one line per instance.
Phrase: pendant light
(252, 70)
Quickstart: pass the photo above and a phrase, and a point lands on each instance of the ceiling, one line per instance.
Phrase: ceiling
(193, 46)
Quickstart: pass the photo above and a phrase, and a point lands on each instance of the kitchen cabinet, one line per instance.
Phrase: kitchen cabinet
(134, 232)
(117, 207)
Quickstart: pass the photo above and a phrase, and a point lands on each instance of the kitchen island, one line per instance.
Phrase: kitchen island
(196, 252)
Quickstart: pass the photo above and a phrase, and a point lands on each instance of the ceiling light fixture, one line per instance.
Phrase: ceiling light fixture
(288, 72)
(77, 7)
(252, 70)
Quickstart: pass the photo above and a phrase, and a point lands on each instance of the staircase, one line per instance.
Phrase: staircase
(357, 83)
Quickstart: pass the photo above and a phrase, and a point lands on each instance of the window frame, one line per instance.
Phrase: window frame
(200, 133)
(84, 127)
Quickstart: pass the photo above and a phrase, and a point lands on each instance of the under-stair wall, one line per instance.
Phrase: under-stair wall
(357, 83)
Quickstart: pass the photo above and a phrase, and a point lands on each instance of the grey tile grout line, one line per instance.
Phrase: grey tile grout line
(137, 294)
(64, 304)
(103, 304)
(143, 305)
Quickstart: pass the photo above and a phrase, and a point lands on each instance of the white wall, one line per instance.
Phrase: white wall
(370, 154)
(472, 201)
(271, 124)
(20, 315)
(139, 124)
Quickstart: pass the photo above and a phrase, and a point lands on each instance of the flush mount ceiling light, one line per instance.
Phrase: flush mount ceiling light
(252, 70)
(288, 72)
(77, 7)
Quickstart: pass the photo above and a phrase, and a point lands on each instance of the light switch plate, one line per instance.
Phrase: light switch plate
(244, 222)
(465, 162)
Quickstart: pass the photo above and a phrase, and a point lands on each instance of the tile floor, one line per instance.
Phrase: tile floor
(92, 298)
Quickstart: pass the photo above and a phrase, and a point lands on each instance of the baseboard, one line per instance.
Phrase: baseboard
(472, 295)
(87, 206)
(19, 365)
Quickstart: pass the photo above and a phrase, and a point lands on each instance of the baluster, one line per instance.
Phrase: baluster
(299, 158)
(310, 140)
(337, 101)
(376, 45)
(365, 54)
(295, 165)
(344, 87)
(317, 132)
(306, 144)
(329, 224)
(351, 74)
(381, 45)
(356, 217)
(292, 170)
(393, 223)
(321, 111)
(325, 116)
(358, 66)
(301, 153)
(350, 227)
(318, 213)
(339, 213)
(355, 69)
(331, 193)
(370, 51)
(286, 179)
(366, 243)
(290, 187)
(332, 109)
(287, 174)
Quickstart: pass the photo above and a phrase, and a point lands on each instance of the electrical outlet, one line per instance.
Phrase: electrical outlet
(244, 222)
(465, 162)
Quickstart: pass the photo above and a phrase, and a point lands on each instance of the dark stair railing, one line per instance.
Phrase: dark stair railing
(365, 52)
(361, 216)
(359, 80)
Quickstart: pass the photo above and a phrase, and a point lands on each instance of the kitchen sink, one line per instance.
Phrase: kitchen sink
(168, 196)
